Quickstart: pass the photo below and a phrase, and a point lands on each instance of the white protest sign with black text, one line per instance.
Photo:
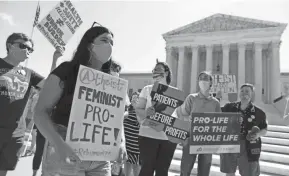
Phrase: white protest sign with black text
(96, 118)
(224, 83)
(60, 24)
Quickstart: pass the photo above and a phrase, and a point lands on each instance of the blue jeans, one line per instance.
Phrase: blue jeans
(51, 165)
(188, 161)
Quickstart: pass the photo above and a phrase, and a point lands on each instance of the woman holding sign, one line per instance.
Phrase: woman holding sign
(55, 101)
(253, 127)
(156, 151)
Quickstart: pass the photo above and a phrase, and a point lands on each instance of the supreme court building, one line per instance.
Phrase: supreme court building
(246, 48)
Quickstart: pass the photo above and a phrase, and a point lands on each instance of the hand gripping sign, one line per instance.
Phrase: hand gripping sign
(165, 100)
(215, 133)
(96, 119)
(60, 24)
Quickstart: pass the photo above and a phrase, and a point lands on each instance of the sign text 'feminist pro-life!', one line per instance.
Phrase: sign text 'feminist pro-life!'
(96, 119)
(97, 114)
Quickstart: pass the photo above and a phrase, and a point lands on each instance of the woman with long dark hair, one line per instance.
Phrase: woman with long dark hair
(156, 151)
(54, 105)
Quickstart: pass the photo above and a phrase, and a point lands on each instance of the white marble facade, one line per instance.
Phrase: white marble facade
(224, 44)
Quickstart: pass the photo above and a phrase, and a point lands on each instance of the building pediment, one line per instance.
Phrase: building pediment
(221, 22)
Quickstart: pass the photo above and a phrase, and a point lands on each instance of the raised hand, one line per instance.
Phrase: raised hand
(150, 111)
(57, 53)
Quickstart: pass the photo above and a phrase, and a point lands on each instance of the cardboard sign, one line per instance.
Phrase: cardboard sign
(224, 83)
(60, 24)
(165, 100)
(96, 118)
(215, 133)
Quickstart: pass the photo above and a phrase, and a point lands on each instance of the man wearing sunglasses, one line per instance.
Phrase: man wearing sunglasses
(15, 85)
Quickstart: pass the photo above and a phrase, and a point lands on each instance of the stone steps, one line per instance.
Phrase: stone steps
(276, 128)
(265, 156)
(275, 134)
(274, 160)
(276, 141)
(275, 148)
(215, 170)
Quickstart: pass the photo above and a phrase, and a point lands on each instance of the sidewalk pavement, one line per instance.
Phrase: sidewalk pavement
(24, 168)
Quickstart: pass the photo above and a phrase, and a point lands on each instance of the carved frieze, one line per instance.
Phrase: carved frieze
(221, 24)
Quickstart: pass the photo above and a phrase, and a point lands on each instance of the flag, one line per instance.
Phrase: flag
(36, 15)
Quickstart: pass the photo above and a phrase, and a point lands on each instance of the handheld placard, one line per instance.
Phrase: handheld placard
(96, 119)
(165, 99)
(215, 133)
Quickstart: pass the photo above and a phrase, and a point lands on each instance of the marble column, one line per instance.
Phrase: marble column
(258, 72)
(181, 68)
(275, 70)
(241, 64)
(194, 68)
(169, 55)
(172, 62)
(209, 58)
(226, 66)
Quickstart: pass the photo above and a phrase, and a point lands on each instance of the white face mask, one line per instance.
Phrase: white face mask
(204, 85)
(102, 52)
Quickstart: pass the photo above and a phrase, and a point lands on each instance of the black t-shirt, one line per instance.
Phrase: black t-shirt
(61, 112)
(252, 116)
(15, 86)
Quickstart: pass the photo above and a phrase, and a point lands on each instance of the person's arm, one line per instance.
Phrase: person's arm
(183, 112)
(218, 107)
(37, 80)
(48, 98)
(140, 107)
(263, 125)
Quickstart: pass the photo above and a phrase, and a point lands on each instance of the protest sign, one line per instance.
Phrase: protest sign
(215, 133)
(224, 83)
(60, 24)
(96, 118)
(165, 100)
(27, 119)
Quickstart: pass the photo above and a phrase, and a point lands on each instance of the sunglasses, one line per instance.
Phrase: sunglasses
(95, 24)
(23, 46)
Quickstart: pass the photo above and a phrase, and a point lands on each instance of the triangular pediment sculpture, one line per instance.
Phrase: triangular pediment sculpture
(221, 22)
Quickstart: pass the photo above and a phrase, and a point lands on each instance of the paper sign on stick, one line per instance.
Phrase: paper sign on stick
(224, 83)
(96, 118)
(215, 133)
(165, 100)
(60, 24)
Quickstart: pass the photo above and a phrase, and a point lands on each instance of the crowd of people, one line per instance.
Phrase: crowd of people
(144, 151)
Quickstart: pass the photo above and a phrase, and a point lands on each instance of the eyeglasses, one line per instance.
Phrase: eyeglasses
(95, 23)
(23, 46)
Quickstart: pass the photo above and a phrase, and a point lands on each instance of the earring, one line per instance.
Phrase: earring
(90, 59)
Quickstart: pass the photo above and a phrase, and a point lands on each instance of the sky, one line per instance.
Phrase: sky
(137, 26)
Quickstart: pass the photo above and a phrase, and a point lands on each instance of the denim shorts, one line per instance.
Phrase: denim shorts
(51, 165)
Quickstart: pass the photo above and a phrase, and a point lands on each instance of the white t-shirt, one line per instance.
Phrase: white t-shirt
(146, 131)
